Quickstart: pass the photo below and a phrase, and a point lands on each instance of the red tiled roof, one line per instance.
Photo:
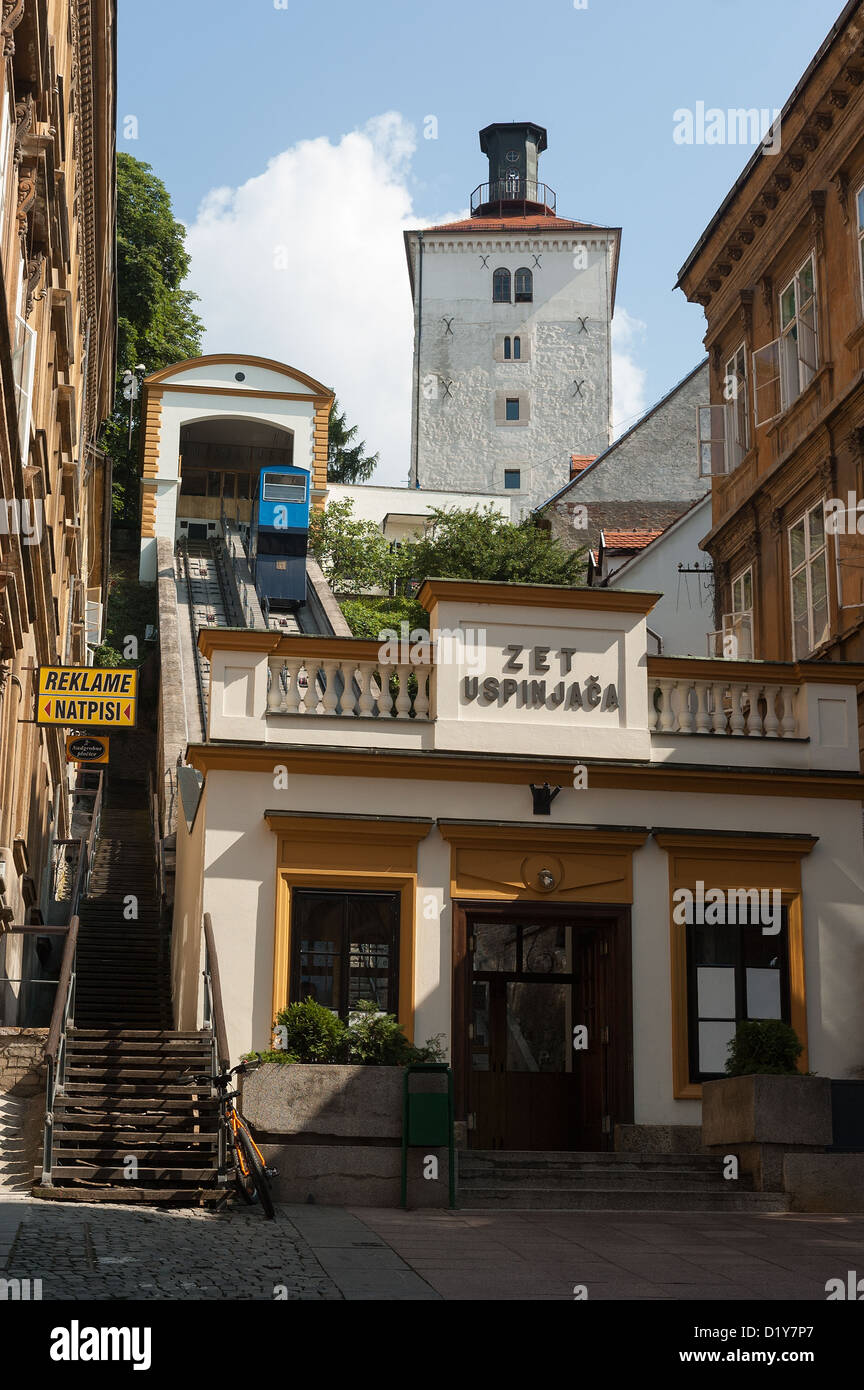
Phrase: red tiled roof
(580, 461)
(629, 540)
(534, 222)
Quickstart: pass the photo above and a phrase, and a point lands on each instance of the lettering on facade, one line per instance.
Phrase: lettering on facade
(551, 691)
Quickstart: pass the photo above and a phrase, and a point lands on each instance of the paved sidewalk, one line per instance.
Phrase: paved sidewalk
(101, 1252)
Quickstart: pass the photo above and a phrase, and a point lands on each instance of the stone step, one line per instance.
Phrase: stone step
(619, 1199)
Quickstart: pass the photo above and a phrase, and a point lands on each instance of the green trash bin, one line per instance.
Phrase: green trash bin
(427, 1120)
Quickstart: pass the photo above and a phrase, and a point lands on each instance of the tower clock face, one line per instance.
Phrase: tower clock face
(512, 156)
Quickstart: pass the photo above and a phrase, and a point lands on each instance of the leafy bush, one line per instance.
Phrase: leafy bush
(311, 1033)
(369, 617)
(764, 1047)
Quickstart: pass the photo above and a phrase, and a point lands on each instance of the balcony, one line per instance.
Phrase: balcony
(598, 698)
(513, 197)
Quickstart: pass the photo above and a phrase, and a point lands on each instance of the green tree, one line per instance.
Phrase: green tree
(353, 554)
(475, 543)
(156, 323)
(344, 464)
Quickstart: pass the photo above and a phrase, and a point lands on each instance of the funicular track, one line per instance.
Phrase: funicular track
(209, 603)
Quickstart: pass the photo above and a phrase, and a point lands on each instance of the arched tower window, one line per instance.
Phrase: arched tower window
(517, 348)
(507, 349)
(524, 286)
(501, 287)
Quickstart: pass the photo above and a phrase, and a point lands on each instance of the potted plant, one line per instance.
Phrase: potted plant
(765, 1107)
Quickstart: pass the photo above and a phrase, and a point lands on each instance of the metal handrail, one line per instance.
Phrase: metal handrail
(62, 1015)
(510, 192)
(184, 556)
(214, 1016)
(157, 838)
(85, 856)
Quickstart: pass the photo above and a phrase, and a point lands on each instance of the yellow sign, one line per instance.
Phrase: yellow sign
(89, 697)
(87, 749)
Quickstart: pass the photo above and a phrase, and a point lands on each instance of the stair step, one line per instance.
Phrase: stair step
(110, 1136)
(132, 1105)
(616, 1199)
(210, 1195)
(157, 1034)
(114, 1173)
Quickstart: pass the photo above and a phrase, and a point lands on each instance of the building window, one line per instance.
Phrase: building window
(507, 350)
(511, 410)
(738, 625)
(524, 286)
(517, 348)
(501, 287)
(23, 366)
(734, 973)
(798, 346)
(345, 949)
(512, 479)
(808, 573)
(735, 392)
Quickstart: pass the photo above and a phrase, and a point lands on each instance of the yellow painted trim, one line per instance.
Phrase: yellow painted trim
(194, 389)
(502, 862)
(454, 767)
(434, 591)
(218, 358)
(683, 668)
(344, 855)
(727, 862)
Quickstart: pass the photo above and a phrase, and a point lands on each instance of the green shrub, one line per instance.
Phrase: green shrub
(312, 1033)
(764, 1047)
(369, 617)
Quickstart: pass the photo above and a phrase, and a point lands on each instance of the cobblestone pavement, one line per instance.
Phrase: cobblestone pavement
(100, 1252)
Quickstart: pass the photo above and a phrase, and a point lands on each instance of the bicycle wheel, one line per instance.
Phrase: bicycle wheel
(256, 1175)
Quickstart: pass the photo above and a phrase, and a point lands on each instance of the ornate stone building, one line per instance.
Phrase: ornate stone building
(57, 371)
(780, 272)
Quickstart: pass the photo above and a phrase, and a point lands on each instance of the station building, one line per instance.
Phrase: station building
(530, 837)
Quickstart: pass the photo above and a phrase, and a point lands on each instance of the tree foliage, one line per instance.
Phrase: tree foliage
(156, 324)
(353, 554)
(346, 462)
(475, 543)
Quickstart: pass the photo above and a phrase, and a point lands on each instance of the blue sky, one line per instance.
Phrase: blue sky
(220, 88)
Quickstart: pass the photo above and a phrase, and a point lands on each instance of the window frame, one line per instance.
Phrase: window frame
(791, 333)
(498, 277)
(393, 973)
(806, 566)
(736, 369)
(525, 295)
(695, 1075)
(508, 487)
(859, 213)
(508, 417)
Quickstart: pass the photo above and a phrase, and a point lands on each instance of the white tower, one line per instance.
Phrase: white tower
(512, 327)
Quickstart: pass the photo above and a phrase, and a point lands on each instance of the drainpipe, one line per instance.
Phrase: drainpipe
(417, 381)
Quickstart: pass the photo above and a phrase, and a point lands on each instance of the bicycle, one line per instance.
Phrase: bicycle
(251, 1173)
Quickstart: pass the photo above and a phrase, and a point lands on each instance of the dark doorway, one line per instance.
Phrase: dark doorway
(544, 1015)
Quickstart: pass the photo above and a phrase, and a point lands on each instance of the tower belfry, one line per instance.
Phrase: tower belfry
(513, 189)
(512, 333)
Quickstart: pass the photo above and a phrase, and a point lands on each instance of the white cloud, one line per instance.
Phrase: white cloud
(628, 379)
(305, 263)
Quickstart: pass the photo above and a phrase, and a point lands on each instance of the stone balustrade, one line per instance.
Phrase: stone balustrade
(737, 705)
(353, 685)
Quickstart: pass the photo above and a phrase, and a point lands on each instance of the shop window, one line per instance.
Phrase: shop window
(734, 973)
(345, 949)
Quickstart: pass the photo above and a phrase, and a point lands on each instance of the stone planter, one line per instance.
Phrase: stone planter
(762, 1118)
(335, 1134)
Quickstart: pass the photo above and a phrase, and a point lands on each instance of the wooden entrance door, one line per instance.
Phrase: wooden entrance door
(540, 986)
